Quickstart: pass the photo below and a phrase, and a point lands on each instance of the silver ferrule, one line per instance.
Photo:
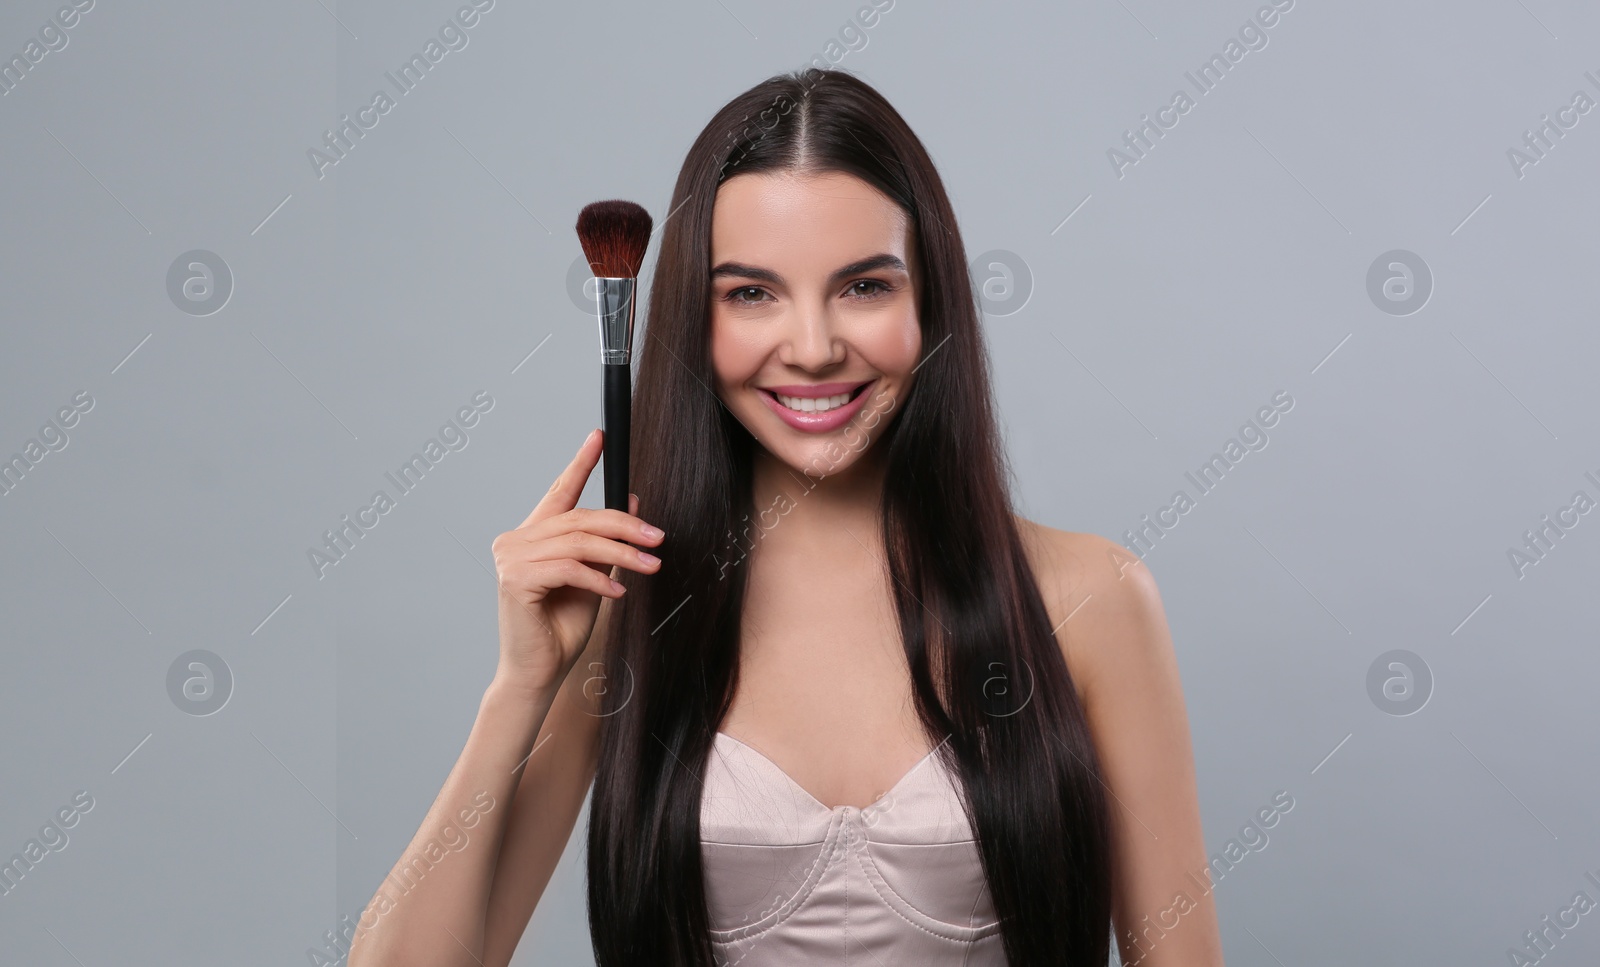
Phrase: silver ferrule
(615, 307)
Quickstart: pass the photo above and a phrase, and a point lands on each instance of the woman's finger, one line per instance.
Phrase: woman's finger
(563, 494)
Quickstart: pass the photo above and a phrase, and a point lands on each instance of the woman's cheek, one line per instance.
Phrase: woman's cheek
(910, 343)
(726, 355)
(729, 347)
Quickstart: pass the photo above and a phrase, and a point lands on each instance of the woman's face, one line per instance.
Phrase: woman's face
(814, 329)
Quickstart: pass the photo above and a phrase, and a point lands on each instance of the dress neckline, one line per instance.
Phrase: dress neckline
(820, 804)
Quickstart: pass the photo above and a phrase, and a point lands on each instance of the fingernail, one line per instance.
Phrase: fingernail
(617, 587)
(649, 558)
(652, 532)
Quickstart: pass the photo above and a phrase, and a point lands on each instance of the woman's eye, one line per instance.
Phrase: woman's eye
(860, 290)
(737, 295)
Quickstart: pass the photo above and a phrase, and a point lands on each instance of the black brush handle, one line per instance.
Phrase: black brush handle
(618, 413)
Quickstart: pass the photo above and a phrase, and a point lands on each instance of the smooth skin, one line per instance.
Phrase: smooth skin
(536, 735)
(818, 602)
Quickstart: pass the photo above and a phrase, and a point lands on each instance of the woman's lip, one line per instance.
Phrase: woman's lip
(818, 422)
(815, 390)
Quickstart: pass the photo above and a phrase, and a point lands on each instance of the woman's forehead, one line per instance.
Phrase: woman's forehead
(795, 219)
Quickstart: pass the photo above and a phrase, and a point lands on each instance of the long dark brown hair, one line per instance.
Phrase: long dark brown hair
(986, 670)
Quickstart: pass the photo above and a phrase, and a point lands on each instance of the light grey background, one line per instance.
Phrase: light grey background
(370, 304)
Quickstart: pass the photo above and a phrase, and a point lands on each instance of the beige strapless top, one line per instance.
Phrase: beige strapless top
(791, 882)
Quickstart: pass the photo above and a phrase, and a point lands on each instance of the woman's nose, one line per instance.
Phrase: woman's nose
(812, 341)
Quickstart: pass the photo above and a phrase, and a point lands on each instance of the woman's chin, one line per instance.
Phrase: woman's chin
(820, 458)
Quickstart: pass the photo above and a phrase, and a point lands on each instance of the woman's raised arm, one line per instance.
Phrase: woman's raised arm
(463, 891)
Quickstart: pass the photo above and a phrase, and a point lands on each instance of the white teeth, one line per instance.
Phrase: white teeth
(807, 404)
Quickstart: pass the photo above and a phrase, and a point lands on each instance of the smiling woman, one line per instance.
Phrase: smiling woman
(821, 272)
(767, 326)
(807, 759)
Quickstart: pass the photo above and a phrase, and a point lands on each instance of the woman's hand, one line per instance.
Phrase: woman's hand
(554, 568)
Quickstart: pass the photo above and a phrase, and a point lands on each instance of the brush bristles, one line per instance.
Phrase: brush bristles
(614, 235)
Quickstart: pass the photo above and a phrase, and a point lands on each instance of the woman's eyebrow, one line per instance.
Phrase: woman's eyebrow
(883, 260)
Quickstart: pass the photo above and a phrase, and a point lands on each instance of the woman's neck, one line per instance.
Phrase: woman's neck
(819, 512)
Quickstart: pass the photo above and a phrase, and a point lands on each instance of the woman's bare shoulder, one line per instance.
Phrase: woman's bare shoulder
(1110, 624)
(1101, 598)
(1067, 560)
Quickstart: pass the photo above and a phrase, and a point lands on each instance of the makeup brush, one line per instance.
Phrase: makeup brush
(614, 235)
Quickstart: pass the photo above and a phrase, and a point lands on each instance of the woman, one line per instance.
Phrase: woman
(845, 717)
